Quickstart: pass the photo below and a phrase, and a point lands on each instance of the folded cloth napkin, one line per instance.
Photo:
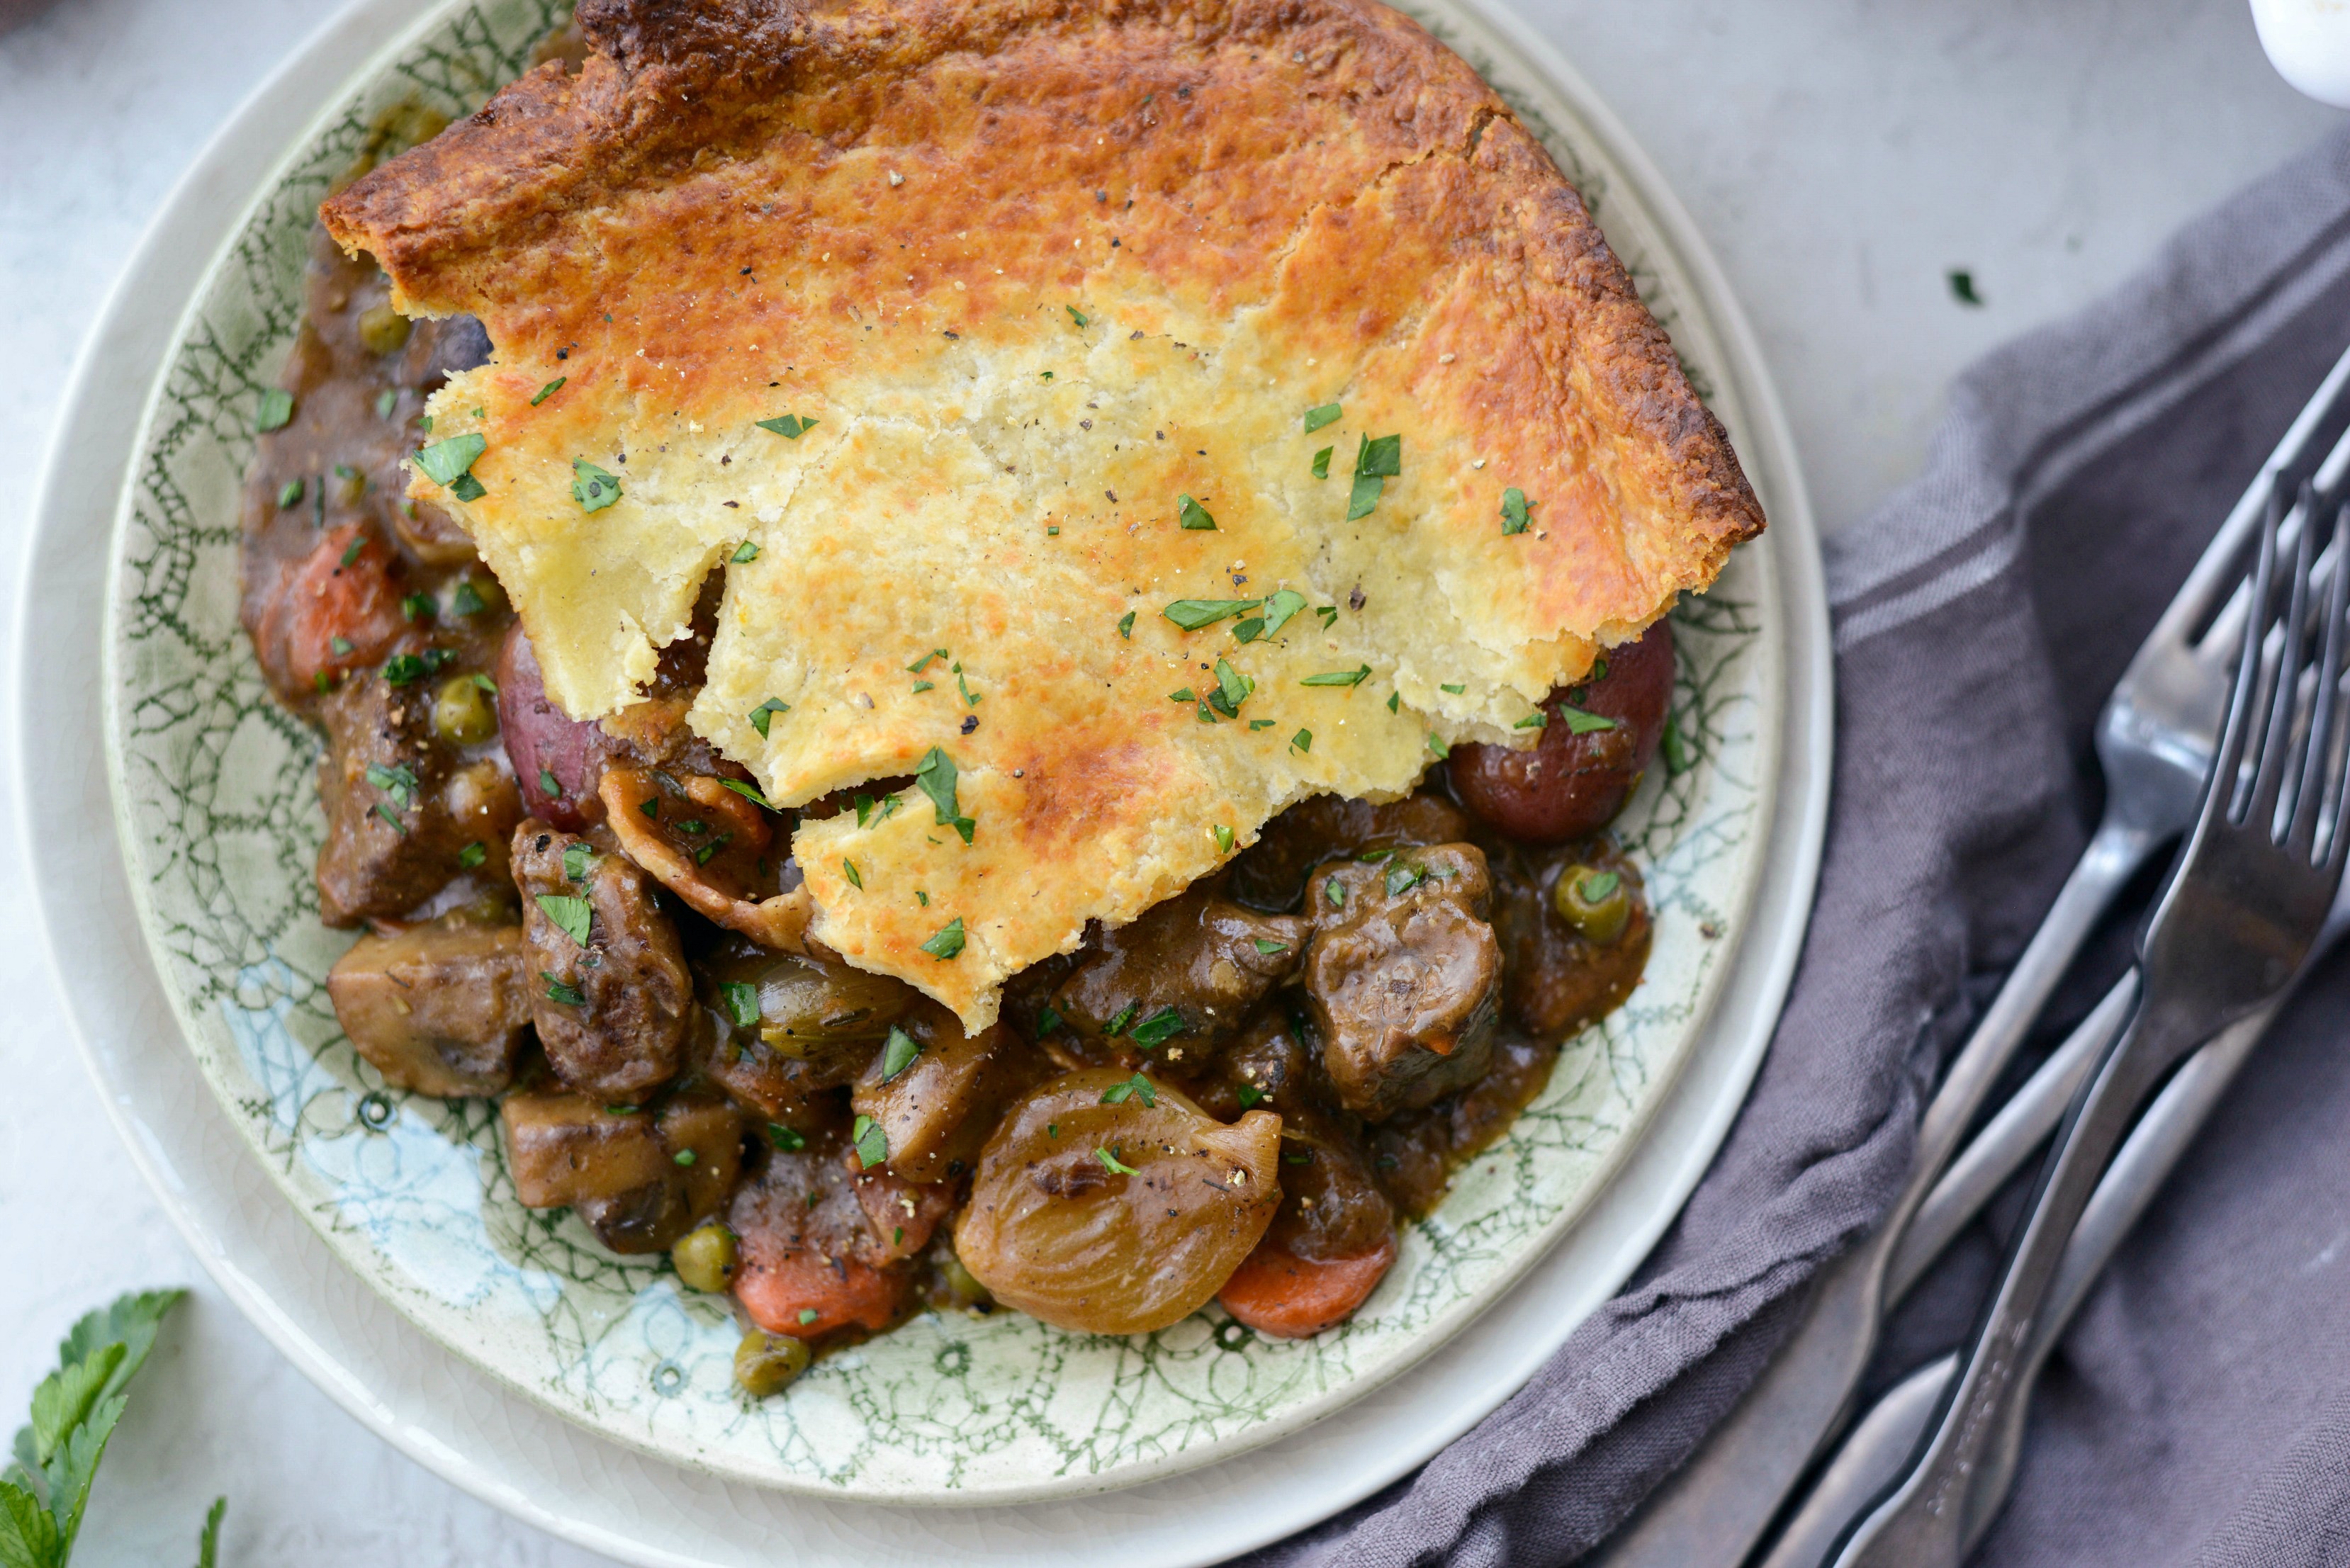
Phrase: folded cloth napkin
(2199, 1412)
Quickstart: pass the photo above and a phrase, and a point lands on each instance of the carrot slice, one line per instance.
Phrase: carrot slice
(776, 1290)
(337, 609)
(1288, 1297)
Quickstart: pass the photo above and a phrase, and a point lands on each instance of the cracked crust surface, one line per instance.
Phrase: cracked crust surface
(1038, 271)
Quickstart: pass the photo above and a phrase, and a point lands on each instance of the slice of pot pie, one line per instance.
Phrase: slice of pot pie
(1124, 420)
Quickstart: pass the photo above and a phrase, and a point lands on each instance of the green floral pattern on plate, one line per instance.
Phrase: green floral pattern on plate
(214, 790)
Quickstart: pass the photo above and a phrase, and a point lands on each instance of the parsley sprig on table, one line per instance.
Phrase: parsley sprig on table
(43, 1492)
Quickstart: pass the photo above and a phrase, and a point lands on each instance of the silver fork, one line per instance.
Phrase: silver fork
(2154, 743)
(2239, 915)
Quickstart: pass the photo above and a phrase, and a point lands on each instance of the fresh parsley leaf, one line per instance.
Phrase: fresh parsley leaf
(1354, 677)
(444, 460)
(1383, 457)
(1079, 317)
(579, 860)
(745, 554)
(385, 401)
(1047, 1020)
(208, 1540)
(1223, 840)
(1579, 722)
(1193, 614)
(682, 1157)
(1134, 1088)
(1191, 514)
(872, 1142)
(935, 776)
(897, 1053)
(1284, 604)
(1256, 724)
(1110, 1163)
(808, 1314)
(275, 412)
(1233, 687)
(1117, 1025)
(549, 785)
(924, 663)
(784, 1138)
(1395, 701)
(572, 916)
(1596, 887)
(560, 990)
(856, 877)
(1514, 511)
(1436, 744)
(290, 493)
(791, 427)
(1677, 760)
(1249, 1095)
(1456, 691)
(1325, 414)
(1336, 891)
(1250, 629)
(1303, 740)
(1403, 876)
(922, 686)
(1157, 1029)
(1322, 463)
(1183, 694)
(1364, 496)
(702, 857)
(948, 942)
(742, 1000)
(1537, 719)
(473, 854)
(468, 488)
(748, 792)
(548, 390)
(765, 714)
(1126, 626)
(1330, 614)
(593, 488)
(398, 783)
(1268, 946)
(465, 599)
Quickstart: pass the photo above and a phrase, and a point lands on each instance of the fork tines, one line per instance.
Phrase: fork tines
(2285, 704)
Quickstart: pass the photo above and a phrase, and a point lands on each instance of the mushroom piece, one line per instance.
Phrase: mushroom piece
(440, 1008)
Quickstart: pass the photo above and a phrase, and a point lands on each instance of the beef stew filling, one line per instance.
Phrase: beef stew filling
(1236, 1097)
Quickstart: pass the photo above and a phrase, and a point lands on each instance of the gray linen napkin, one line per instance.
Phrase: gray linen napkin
(2199, 1410)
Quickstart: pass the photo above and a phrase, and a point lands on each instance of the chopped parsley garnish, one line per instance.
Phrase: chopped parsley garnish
(865, 807)
(1514, 511)
(559, 991)
(970, 700)
(1336, 891)
(405, 669)
(1403, 878)
(1354, 677)
(1330, 614)
(548, 390)
(1456, 691)
(1382, 457)
(1303, 740)
(1110, 1163)
(1326, 414)
(1190, 514)
(1594, 887)
(1322, 463)
(1233, 689)
(1535, 721)
(682, 1157)
(466, 599)
(872, 1143)
(549, 785)
(920, 664)
(1183, 694)
(1284, 604)
(1223, 840)
(417, 606)
(651, 807)
(390, 821)
(1118, 1024)
(572, 916)
(592, 487)
(897, 1053)
(1436, 744)
(742, 1000)
(948, 942)
(1047, 1020)
(290, 493)
(1256, 724)
(856, 877)
(1250, 629)
(1364, 496)
(784, 1138)
(936, 778)
(1079, 317)
(1579, 722)
(1302, 1157)
(276, 410)
(1193, 614)
(1157, 1029)
(1249, 1095)
(398, 782)
(765, 714)
(1677, 756)
(385, 401)
(1126, 626)
(1044, 375)
(1268, 946)
(808, 1314)
(922, 686)
(791, 427)
(358, 543)
(445, 462)
(1395, 701)
(468, 488)
(1136, 1087)
(701, 856)
(472, 854)
(579, 860)
(748, 792)
(745, 554)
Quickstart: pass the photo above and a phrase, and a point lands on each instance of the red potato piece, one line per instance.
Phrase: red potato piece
(544, 743)
(1287, 1297)
(1566, 785)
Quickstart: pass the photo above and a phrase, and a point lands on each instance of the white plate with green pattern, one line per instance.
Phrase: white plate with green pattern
(215, 823)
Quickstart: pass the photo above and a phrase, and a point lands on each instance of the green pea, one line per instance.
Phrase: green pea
(1596, 901)
(382, 329)
(959, 1287)
(765, 1363)
(463, 713)
(705, 1258)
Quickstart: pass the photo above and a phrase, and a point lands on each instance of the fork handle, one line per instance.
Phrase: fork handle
(1948, 1496)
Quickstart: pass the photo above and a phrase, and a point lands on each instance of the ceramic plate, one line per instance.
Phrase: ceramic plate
(217, 825)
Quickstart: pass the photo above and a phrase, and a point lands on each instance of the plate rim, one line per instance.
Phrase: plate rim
(362, 32)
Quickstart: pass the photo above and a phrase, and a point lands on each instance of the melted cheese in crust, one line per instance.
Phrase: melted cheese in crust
(1037, 273)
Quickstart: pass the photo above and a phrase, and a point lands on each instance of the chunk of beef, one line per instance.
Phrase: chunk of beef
(440, 1008)
(640, 1178)
(401, 804)
(1267, 1064)
(1330, 1242)
(614, 1011)
(826, 1243)
(1403, 981)
(938, 1106)
(1415, 1153)
(1270, 872)
(1558, 980)
(1178, 982)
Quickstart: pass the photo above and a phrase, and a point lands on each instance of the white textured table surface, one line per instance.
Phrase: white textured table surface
(1843, 156)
